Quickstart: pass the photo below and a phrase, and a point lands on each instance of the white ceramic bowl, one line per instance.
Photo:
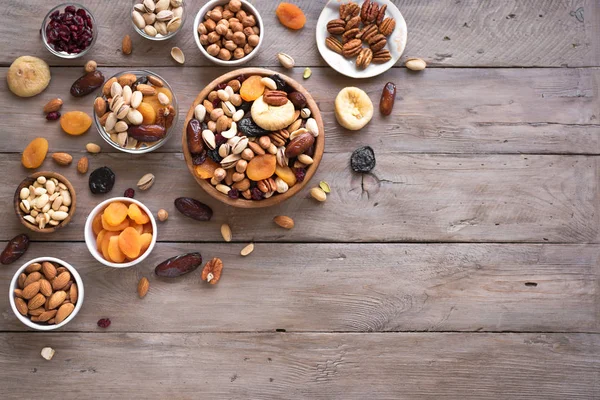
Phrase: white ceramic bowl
(245, 6)
(90, 237)
(26, 320)
(345, 66)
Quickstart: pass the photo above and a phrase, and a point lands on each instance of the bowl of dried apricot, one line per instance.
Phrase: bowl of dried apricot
(253, 138)
(135, 111)
(120, 232)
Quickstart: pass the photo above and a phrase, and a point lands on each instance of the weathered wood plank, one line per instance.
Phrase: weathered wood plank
(311, 366)
(438, 111)
(358, 288)
(482, 198)
(443, 32)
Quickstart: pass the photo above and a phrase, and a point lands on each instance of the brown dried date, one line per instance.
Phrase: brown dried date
(194, 209)
(179, 265)
(299, 145)
(147, 133)
(194, 137)
(14, 249)
(298, 100)
(87, 83)
(388, 97)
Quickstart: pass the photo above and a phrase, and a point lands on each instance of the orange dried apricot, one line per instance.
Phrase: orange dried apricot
(148, 113)
(146, 239)
(252, 88)
(114, 252)
(105, 242)
(261, 167)
(148, 228)
(97, 224)
(286, 174)
(115, 213)
(136, 226)
(35, 153)
(112, 228)
(130, 242)
(75, 122)
(206, 170)
(136, 214)
(290, 16)
(153, 100)
(99, 239)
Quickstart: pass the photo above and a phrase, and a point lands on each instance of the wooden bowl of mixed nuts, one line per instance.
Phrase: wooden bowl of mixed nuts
(253, 138)
(45, 202)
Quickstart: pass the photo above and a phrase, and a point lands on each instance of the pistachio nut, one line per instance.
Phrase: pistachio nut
(146, 182)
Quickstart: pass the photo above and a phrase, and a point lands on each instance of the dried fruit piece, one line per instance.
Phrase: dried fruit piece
(102, 180)
(212, 271)
(114, 250)
(299, 145)
(105, 243)
(28, 76)
(75, 122)
(115, 213)
(87, 84)
(104, 322)
(137, 214)
(146, 240)
(114, 228)
(207, 169)
(14, 249)
(148, 113)
(290, 16)
(194, 209)
(353, 108)
(286, 173)
(249, 128)
(194, 136)
(35, 153)
(252, 88)
(363, 159)
(179, 265)
(262, 167)
(48, 353)
(388, 97)
(130, 243)
(147, 133)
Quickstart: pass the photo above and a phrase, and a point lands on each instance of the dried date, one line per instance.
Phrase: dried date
(14, 249)
(388, 97)
(179, 265)
(299, 145)
(102, 180)
(87, 84)
(194, 137)
(363, 159)
(298, 100)
(147, 133)
(194, 209)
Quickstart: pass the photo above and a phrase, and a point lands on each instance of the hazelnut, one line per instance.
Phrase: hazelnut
(223, 123)
(236, 26)
(204, 40)
(248, 49)
(224, 54)
(256, 30)
(212, 96)
(202, 29)
(249, 21)
(221, 29)
(210, 25)
(216, 114)
(224, 22)
(213, 37)
(248, 31)
(235, 85)
(247, 154)
(238, 176)
(162, 215)
(237, 54)
(212, 125)
(241, 14)
(90, 66)
(253, 40)
(230, 45)
(215, 15)
(239, 38)
(219, 174)
(241, 166)
(213, 50)
(235, 5)
(264, 142)
(229, 35)
(236, 99)
(218, 8)
(227, 14)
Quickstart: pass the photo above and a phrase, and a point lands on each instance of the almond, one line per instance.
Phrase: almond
(53, 105)
(126, 80)
(32, 277)
(36, 302)
(62, 158)
(61, 280)
(100, 106)
(21, 306)
(18, 293)
(37, 312)
(45, 287)
(93, 148)
(73, 293)
(284, 222)
(126, 46)
(63, 312)
(143, 287)
(107, 86)
(146, 90)
(83, 165)
(56, 299)
(47, 315)
(34, 267)
(21, 281)
(49, 270)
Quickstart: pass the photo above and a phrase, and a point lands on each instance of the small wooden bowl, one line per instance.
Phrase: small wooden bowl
(29, 181)
(277, 198)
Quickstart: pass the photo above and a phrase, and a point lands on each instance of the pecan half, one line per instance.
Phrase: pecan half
(387, 26)
(377, 42)
(364, 58)
(267, 185)
(348, 11)
(368, 32)
(352, 48)
(212, 271)
(275, 98)
(349, 35)
(381, 56)
(381, 14)
(369, 12)
(334, 44)
(336, 27)
(352, 23)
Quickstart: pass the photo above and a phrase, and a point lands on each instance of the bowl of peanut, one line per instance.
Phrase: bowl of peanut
(228, 32)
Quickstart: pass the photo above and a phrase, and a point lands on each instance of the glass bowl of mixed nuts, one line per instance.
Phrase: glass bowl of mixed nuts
(136, 111)
(46, 293)
(45, 201)
(253, 138)
(158, 19)
(228, 32)
(69, 30)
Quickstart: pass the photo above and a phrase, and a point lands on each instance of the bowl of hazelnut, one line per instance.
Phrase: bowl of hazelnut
(228, 32)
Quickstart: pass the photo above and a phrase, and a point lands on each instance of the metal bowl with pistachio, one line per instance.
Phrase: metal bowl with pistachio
(158, 20)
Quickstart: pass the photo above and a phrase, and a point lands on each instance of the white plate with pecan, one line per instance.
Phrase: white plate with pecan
(362, 39)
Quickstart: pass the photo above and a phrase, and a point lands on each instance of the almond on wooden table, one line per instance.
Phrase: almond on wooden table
(126, 45)
(284, 221)
(53, 105)
(83, 165)
(62, 158)
(143, 287)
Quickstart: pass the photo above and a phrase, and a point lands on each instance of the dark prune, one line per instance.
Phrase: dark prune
(281, 83)
(194, 209)
(298, 100)
(14, 249)
(250, 129)
(245, 106)
(194, 136)
(363, 159)
(87, 84)
(179, 265)
(214, 155)
(199, 159)
(102, 180)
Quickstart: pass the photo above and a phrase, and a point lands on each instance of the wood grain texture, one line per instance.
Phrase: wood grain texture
(443, 32)
(481, 198)
(306, 366)
(357, 288)
(549, 111)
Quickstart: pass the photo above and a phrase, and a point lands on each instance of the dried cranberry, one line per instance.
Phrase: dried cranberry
(220, 139)
(104, 323)
(78, 20)
(199, 159)
(52, 34)
(234, 194)
(53, 116)
(216, 103)
(54, 16)
(300, 174)
(81, 12)
(129, 193)
(256, 194)
(221, 86)
(70, 9)
(242, 78)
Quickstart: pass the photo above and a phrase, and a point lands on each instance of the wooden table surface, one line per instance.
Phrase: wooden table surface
(466, 265)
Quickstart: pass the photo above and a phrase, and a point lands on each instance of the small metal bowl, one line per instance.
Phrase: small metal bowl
(158, 37)
(64, 54)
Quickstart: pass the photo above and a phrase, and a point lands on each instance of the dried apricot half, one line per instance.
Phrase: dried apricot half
(115, 213)
(206, 170)
(252, 88)
(261, 167)
(75, 122)
(130, 243)
(137, 214)
(290, 16)
(35, 153)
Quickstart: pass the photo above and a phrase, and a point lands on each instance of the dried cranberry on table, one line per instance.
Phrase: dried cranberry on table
(129, 193)
(104, 323)
(53, 116)
(70, 31)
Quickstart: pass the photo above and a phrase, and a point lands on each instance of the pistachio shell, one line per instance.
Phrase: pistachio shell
(178, 55)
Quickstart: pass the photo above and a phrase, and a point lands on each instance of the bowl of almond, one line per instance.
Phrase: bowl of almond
(253, 138)
(46, 293)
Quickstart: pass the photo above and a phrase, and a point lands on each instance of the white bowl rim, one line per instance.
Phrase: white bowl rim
(90, 240)
(230, 63)
(80, 292)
